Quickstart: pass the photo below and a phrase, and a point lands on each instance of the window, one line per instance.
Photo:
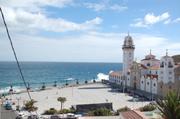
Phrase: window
(148, 64)
(147, 83)
(170, 87)
(170, 65)
(142, 82)
(162, 64)
(170, 72)
(154, 84)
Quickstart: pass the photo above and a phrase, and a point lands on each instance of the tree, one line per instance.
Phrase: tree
(170, 106)
(62, 100)
(29, 106)
(51, 111)
(149, 107)
(100, 112)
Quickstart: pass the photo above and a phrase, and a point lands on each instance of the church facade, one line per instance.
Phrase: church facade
(148, 77)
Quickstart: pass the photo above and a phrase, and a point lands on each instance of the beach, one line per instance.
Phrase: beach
(81, 94)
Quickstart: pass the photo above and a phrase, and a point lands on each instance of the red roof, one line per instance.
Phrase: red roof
(131, 115)
(119, 73)
(152, 76)
(143, 66)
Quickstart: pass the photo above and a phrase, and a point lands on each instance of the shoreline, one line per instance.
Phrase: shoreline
(21, 89)
(76, 94)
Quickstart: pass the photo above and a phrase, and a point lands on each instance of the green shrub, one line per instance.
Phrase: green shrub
(148, 107)
(51, 111)
(29, 106)
(124, 109)
(65, 111)
(100, 112)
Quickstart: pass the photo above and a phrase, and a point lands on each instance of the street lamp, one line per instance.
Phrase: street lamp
(18, 106)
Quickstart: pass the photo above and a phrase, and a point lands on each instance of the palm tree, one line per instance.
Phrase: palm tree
(170, 107)
(62, 100)
(29, 106)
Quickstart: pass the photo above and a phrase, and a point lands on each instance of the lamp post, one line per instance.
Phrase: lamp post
(124, 78)
(11, 91)
(18, 106)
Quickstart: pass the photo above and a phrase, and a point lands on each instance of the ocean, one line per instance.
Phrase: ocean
(37, 73)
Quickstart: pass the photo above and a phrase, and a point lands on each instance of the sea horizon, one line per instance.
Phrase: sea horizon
(37, 73)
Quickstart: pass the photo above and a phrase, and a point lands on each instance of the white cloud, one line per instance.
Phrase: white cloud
(151, 19)
(87, 47)
(34, 5)
(177, 20)
(167, 21)
(117, 7)
(95, 6)
(105, 6)
(29, 16)
(20, 19)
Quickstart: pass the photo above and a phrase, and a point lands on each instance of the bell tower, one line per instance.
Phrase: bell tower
(128, 54)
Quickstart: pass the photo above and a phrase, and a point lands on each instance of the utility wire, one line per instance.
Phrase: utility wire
(14, 52)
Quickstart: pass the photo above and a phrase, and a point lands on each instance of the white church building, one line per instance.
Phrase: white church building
(149, 76)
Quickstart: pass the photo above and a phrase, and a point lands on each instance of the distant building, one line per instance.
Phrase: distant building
(151, 76)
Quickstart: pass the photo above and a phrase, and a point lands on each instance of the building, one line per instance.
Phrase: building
(150, 77)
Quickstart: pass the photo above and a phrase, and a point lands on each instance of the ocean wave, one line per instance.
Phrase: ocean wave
(16, 89)
(101, 76)
(70, 79)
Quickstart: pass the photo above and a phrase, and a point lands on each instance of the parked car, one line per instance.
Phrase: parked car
(32, 117)
(8, 106)
(19, 117)
(54, 117)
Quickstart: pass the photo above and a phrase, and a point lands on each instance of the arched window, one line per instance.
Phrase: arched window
(162, 64)
(170, 65)
(154, 84)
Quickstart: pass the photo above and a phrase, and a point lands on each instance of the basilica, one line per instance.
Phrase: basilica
(150, 77)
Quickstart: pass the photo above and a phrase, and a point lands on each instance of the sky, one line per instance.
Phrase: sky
(88, 30)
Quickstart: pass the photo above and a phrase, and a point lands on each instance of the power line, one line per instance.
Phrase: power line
(19, 67)
(14, 52)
